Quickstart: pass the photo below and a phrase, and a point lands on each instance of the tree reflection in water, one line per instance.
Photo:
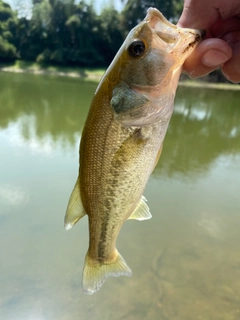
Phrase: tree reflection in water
(204, 126)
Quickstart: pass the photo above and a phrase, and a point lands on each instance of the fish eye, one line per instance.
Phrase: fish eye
(136, 48)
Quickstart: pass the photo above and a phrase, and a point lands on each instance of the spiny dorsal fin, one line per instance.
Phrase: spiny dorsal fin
(142, 211)
(75, 209)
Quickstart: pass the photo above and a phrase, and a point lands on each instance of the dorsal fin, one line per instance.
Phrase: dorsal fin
(75, 209)
(142, 211)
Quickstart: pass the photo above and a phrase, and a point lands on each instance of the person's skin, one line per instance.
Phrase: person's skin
(221, 46)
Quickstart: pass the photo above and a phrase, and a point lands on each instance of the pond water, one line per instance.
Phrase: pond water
(185, 260)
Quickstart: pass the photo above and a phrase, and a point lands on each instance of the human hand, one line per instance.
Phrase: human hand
(221, 46)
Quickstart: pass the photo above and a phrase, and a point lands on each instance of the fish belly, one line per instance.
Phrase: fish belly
(115, 164)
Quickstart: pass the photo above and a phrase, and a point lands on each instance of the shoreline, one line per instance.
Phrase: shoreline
(88, 75)
(96, 75)
(34, 68)
(209, 85)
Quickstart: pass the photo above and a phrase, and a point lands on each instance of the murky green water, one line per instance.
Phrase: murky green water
(185, 260)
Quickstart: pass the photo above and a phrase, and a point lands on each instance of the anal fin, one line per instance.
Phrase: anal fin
(75, 210)
(142, 211)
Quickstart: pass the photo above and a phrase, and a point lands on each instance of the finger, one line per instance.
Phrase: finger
(193, 13)
(209, 54)
(203, 14)
(231, 69)
(222, 27)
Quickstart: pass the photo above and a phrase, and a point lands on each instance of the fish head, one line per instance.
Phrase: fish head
(144, 74)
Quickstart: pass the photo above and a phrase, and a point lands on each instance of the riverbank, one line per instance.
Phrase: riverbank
(96, 74)
(209, 85)
(35, 68)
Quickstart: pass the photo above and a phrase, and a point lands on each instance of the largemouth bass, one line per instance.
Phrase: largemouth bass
(122, 139)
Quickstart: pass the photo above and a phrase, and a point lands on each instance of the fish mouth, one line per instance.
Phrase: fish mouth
(154, 16)
(175, 39)
(193, 43)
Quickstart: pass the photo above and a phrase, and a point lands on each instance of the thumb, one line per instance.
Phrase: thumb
(208, 55)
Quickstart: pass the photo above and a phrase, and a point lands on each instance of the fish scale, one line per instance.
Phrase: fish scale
(122, 139)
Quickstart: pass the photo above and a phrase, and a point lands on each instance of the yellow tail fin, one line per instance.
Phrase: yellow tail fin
(95, 275)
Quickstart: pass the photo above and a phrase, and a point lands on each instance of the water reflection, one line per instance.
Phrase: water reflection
(207, 119)
(42, 116)
(13, 195)
(44, 106)
(185, 260)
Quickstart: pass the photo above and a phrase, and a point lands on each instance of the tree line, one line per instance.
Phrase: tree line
(64, 32)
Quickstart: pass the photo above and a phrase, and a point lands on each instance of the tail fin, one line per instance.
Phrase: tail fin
(94, 276)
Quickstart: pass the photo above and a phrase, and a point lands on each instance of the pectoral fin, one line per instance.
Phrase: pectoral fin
(128, 105)
(142, 211)
(75, 209)
(125, 99)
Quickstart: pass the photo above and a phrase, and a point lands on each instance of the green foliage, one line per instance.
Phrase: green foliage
(112, 32)
(41, 15)
(66, 32)
(7, 50)
(5, 11)
(135, 10)
(8, 25)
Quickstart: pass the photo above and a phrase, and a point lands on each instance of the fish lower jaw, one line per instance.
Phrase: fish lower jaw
(187, 45)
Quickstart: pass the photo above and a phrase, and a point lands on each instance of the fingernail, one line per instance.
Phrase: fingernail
(214, 58)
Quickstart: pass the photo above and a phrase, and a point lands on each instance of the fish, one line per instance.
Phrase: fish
(122, 139)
